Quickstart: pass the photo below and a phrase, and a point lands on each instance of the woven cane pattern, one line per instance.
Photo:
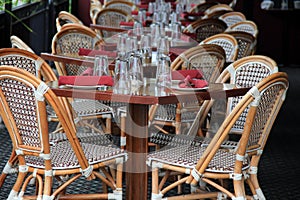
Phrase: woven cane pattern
(21, 62)
(93, 138)
(244, 48)
(70, 44)
(227, 46)
(126, 6)
(110, 17)
(264, 110)
(187, 156)
(90, 107)
(247, 76)
(22, 103)
(207, 31)
(206, 63)
(63, 157)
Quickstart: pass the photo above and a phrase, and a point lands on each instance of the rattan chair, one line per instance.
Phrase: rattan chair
(207, 58)
(213, 164)
(228, 42)
(246, 26)
(216, 11)
(246, 43)
(27, 125)
(67, 42)
(65, 17)
(123, 5)
(204, 28)
(111, 17)
(231, 18)
(32, 63)
(16, 42)
(95, 7)
(201, 7)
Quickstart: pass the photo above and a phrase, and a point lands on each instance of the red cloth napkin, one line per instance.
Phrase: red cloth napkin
(130, 23)
(136, 12)
(85, 80)
(90, 52)
(182, 74)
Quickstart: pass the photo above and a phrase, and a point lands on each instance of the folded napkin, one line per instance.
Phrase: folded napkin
(136, 12)
(189, 82)
(182, 74)
(91, 52)
(130, 24)
(86, 80)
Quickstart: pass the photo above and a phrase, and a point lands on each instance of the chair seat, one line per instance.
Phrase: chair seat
(63, 157)
(90, 107)
(187, 156)
(85, 137)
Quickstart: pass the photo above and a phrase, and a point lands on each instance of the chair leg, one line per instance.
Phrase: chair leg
(9, 169)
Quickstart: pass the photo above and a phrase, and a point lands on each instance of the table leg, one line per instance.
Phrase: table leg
(137, 148)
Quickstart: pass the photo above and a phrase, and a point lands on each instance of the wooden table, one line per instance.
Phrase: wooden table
(137, 123)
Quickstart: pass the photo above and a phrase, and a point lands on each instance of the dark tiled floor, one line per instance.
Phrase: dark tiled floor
(279, 167)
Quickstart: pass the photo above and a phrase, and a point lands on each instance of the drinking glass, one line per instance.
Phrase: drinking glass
(131, 45)
(135, 72)
(121, 46)
(100, 65)
(163, 47)
(176, 32)
(145, 49)
(121, 79)
(163, 72)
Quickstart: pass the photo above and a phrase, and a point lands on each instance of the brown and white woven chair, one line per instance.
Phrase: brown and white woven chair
(67, 42)
(95, 7)
(124, 5)
(213, 164)
(27, 125)
(204, 28)
(228, 42)
(65, 17)
(32, 63)
(231, 18)
(246, 26)
(246, 43)
(216, 11)
(201, 7)
(111, 17)
(207, 58)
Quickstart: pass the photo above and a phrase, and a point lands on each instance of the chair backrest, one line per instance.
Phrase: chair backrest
(201, 7)
(68, 41)
(23, 99)
(246, 72)
(65, 17)
(123, 5)
(204, 28)
(246, 26)
(231, 18)
(95, 7)
(28, 61)
(246, 42)
(111, 17)
(263, 102)
(216, 8)
(16, 42)
(208, 58)
(228, 42)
